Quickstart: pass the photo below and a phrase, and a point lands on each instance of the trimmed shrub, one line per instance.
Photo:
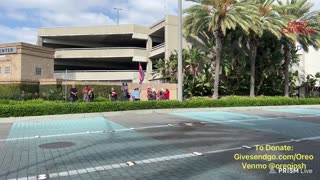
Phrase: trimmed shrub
(37, 107)
(19, 91)
(57, 92)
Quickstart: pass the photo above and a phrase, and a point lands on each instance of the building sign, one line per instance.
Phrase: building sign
(8, 50)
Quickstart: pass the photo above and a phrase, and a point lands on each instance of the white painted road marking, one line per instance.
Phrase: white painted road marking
(146, 127)
(82, 133)
(154, 160)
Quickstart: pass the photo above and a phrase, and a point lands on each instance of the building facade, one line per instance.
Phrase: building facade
(25, 63)
(308, 63)
(110, 53)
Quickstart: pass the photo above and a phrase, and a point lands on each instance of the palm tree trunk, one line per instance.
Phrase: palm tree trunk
(253, 54)
(218, 38)
(286, 69)
(260, 84)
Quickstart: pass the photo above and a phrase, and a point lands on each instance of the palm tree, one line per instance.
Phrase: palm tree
(298, 11)
(271, 22)
(217, 16)
(161, 70)
(194, 61)
(204, 43)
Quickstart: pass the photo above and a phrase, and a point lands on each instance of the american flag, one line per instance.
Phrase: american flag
(141, 74)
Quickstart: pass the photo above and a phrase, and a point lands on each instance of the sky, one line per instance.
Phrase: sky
(20, 19)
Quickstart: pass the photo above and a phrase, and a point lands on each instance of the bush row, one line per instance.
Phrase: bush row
(56, 92)
(40, 107)
(20, 91)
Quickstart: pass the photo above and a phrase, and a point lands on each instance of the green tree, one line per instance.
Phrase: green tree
(217, 17)
(195, 71)
(298, 11)
(269, 21)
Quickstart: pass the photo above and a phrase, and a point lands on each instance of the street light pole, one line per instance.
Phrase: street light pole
(118, 9)
(66, 86)
(180, 78)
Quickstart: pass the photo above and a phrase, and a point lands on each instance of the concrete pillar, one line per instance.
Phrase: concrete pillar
(39, 41)
(148, 74)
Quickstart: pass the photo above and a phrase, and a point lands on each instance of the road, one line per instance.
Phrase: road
(255, 143)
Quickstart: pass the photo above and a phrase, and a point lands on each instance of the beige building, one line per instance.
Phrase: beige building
(112, 52)
(21, 62)
(308, 64)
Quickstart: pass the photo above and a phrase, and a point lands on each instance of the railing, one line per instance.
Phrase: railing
(157, 23)
(105, 75)
(99, 48)
(158, 46)
(76, 71)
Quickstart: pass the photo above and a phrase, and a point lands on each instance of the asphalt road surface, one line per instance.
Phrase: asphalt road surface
(255, 143)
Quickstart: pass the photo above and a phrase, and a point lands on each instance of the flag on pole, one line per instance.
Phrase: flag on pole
(141, 74)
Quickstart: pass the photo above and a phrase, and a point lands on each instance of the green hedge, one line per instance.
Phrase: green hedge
(56, 92)
(41, 107)
(49, 92)
(18, 91)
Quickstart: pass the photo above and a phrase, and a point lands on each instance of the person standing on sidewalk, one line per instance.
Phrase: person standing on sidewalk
(136, 94)
(91, 95)
(74, 94)
(113, 95)
(85, 91)
(167, 94)
(125, 93)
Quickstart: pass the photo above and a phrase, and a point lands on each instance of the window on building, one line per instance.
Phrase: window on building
(38, 71)
(7, 70)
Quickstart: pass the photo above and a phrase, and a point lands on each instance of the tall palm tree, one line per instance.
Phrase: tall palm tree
(298, 11)
(217, 16)
(269, 21)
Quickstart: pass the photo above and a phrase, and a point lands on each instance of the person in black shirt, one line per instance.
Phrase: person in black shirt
(74, 94)
(91, 94)
(125, 94)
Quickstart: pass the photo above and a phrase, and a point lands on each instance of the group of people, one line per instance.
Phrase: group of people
(162, 94)
(152, 94)
(125, 94)
(87, 92)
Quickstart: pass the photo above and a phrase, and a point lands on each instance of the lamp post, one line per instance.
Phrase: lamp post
(118, 9)
(66, 86)
(180, 78)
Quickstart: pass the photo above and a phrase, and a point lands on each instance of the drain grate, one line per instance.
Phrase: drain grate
(56, 145)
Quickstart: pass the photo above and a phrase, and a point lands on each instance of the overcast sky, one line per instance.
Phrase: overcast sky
(20, 19)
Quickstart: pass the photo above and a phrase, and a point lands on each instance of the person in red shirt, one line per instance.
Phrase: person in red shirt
(149, 93)
(167, 94)
(85, 91)
(113, 95)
